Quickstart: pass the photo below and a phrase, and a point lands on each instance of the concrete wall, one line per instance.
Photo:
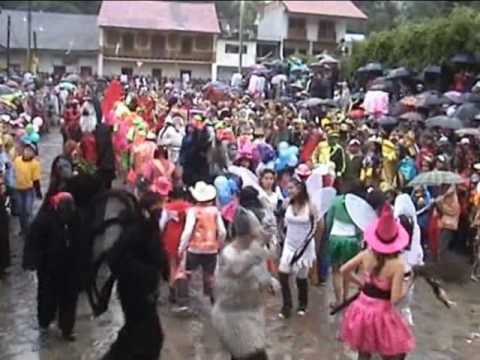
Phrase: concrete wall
(341, 29)
(113, 67)
(274, 23)
(47, 61)
(224, 59)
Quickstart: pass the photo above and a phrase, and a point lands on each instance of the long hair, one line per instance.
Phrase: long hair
(302, 197)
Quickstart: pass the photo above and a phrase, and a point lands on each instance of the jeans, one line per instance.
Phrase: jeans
(24, 206)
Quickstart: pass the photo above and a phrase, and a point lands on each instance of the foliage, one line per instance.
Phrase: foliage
(418, 44)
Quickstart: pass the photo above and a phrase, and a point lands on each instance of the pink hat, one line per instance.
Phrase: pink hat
(161, 186)
(385, 235)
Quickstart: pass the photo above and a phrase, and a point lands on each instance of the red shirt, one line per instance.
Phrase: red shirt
(174, 228)
(89, 148)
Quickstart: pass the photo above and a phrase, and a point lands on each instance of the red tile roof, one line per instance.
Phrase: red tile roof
(345, 9)
(160, 15)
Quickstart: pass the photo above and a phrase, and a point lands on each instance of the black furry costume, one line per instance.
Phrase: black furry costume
(194, 156)
(55, 249)
(136, 261)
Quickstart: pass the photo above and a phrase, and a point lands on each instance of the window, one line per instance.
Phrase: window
(157, 74)
(142, 40)
(158, 45)
(173, 41)
(59, 69)
(128, 40)
(127, 71)
(234, 49)
(85, 71)
(296, 23)
(113, 38)
(187, 45)
(203, 42)
(326, 30)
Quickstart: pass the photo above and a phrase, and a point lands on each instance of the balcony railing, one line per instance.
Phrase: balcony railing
(297, 34)
(160, 54)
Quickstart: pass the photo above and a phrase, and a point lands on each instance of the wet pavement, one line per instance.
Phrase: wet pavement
(441, 334)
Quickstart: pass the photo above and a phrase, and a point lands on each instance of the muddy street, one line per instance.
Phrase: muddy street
(441, 334)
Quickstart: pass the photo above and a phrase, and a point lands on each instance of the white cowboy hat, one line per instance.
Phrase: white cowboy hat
(202, 192)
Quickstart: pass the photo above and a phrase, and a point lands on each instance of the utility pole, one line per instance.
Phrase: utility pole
(34, 54)
(29, 35)
(9, 24)
(240, 36)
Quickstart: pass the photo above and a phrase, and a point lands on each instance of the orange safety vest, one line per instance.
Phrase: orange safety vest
(204, 237)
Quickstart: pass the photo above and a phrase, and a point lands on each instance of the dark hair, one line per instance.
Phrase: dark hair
(381, 260)
(149, 199)
(266, 172)
(302, 198)
(178, 192)
(408, 225)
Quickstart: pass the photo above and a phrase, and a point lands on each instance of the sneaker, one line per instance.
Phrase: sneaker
(301, 312)
(180, 309)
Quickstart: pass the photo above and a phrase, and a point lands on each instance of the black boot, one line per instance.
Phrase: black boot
(286, 295)
(302, 286)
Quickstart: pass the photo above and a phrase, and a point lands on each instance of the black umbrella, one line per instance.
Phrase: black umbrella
(374, 67)
(6, 90)
(464, 59)
(381, 84)
(387, 121)
(431, 99)
(312, 102)
(445, 122)
(433, 69)
(362, 70)
(399, 73)
(467, 112)
(470, 98)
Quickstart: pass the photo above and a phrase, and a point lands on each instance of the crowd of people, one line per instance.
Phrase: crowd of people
(253, 184)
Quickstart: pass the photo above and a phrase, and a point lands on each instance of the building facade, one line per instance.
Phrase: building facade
(304, 27)
(65, 43)
(157, 38)
(227, 57)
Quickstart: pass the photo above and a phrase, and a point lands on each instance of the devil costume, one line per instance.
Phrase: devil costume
(54, 249)
(136, 261)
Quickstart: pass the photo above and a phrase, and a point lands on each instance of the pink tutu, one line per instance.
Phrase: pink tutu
(375, 326)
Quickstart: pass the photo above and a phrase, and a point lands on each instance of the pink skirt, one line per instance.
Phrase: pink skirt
(374, 326)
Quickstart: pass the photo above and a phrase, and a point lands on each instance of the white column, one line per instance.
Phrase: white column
(214, 71)
(215, 57)
(100, 53)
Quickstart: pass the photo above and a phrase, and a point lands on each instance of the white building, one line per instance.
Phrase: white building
(227, 57)
(65, 42)
(157, 38)
(305, 27)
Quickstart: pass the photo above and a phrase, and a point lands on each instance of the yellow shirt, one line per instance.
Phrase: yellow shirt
(26, 172)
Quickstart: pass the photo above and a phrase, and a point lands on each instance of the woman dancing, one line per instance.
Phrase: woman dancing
(372, 324)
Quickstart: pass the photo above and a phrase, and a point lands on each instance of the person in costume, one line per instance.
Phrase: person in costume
(203, 235)
(137, 261)
(344, 243)
(371, 323)
(171, 136)
(54, 249)
(298, 253)
(405, 212)
(241, 275)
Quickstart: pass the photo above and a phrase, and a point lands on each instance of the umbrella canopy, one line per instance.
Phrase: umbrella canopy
(467, 112)
(381, 84)
(312, 102)
(468, 132)
(463, 59)
(387, 121)
(374, 67)
(411, 116)
(436, 178)
(470, 98)
(444, 122)
(454, 96)
(433, 69)
(399, 73)
(74, 78)
(6, 90)
(431, 99)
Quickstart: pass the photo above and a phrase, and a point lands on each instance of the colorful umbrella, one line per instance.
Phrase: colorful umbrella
(436, 178)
